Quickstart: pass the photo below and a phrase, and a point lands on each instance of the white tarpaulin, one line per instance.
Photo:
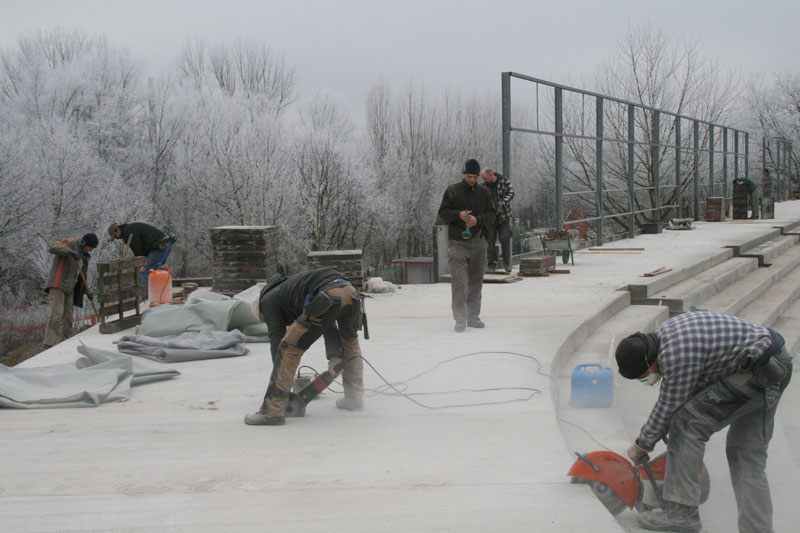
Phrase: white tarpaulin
(189, 346)
(98, 377)
(204, 311)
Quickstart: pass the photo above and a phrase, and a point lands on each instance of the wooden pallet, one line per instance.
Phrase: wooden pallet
(119, 291)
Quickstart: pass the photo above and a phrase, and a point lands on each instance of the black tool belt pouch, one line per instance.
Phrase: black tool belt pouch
(319, 304)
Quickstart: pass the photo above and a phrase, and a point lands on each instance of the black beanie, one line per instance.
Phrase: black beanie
(90, 239)
(632, 356)
(472, 167)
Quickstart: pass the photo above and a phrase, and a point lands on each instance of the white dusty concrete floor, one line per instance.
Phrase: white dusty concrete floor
(177, 456)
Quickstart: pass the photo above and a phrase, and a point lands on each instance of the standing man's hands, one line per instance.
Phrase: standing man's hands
(469, 219)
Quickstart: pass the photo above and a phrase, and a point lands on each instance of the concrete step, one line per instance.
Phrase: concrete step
(770, 250)
(694, 291)
(587, 429)
(650, 286)
(773, 302)
(745, 247)
(740, 294)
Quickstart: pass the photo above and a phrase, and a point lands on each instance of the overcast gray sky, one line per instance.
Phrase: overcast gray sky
(344, 46)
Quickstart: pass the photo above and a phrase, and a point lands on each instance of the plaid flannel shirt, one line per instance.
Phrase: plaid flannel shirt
(502, 194)
(698, 349)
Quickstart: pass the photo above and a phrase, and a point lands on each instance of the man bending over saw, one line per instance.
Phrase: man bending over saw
(716, 371)
(298, 311)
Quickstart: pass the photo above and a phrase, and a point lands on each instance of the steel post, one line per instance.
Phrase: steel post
(678, 165)
(631, 147)
(696, 169)
(599, 169)
(656, 169)
(559, 140)
(711, 160)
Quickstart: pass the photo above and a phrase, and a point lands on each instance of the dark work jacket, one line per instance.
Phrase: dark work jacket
(460, 196)
(284, 303)
(145, 237)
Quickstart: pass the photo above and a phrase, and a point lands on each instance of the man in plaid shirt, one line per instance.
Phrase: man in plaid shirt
(502, 194)
(716, 371)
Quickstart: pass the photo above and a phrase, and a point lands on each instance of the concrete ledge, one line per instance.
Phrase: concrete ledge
(641, 291)
(739, 249)
(767, 252)
(699, 288)
(787, 227)
(586, 328)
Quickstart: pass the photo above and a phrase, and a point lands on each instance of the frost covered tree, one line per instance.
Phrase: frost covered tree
(72, 101)
(332, 198)
(232, 153)
(774, 109)
(654, 70)
(416, 146)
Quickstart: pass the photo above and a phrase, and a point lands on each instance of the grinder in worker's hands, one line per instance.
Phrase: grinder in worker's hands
(298, 400)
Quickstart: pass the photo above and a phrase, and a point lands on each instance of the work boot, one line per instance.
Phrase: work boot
(461, 325)
(491, 267)
(350, 404)
(262, 417)
(475, 323)
(677, 517)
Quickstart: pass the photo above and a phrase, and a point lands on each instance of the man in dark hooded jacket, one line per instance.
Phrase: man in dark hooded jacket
(298, 311)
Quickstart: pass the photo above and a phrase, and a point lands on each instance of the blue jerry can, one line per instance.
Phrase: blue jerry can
(592, 386)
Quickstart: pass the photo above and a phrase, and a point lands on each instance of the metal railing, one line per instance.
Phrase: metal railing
(645, 178)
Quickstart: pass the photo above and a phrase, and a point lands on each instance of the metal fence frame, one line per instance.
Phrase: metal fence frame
(782, 159)
(631, 141)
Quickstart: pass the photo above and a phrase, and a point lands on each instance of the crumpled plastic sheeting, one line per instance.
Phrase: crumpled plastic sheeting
(203, 311)
(189, 346)
(143, 372)
(98, 377)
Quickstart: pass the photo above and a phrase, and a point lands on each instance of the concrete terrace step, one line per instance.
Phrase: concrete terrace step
(770, 250)
(737, 296)
(650, 286)
(774, 302)
(586, 429)
(690, 293)
(745, 247)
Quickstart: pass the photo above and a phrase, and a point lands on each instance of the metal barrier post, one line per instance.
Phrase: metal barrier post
(599, 170)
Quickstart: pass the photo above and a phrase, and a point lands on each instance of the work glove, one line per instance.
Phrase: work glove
(637, 453)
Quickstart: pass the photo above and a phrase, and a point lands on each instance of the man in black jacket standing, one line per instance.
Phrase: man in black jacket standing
(297, 311)
(468, 209)
(146, 240)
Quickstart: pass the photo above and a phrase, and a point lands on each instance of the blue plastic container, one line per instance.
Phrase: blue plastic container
(592, 386)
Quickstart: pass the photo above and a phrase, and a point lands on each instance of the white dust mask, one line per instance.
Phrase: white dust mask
(651, 379)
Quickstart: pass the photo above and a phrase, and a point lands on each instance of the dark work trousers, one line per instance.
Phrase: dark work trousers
(740, 402)
(501, 231)
(301, 334)
(467, 262)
